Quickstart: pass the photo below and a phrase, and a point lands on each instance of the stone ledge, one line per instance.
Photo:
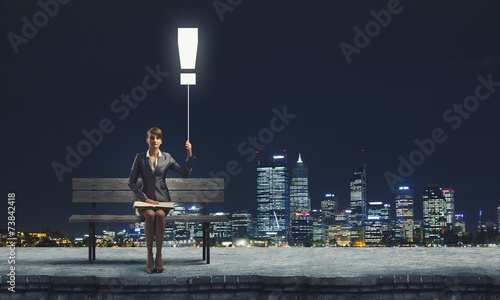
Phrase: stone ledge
(222, 287)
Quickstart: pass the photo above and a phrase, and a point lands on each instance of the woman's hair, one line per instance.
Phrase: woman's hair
(156, 131)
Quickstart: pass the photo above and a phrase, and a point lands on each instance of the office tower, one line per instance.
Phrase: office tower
(329, 206)
(221, 231)
(301, 229)
(299, 188)
(358, 197)
(378, 220)
(458, 225)
(241, 224)
(176, 230)
(340, 233)
(434, 221)
(373, 231)
(273, 196)
(498, 219)
(375, 209)
(195, 229)
(342, 217)
(387, 217)
(418, 231)
(479, 224)
(449, 195)
(318, 225)
(404, 214)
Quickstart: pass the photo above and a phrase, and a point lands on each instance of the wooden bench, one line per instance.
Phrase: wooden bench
(116, 190)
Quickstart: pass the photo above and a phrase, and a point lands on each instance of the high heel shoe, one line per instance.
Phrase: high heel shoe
(158, 270)
(150, 271)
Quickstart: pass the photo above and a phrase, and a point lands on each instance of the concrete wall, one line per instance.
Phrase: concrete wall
(159, 286)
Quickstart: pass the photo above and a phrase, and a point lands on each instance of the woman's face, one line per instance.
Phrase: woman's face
(154, 141)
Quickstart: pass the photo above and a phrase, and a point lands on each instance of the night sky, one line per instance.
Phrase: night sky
(421, 71)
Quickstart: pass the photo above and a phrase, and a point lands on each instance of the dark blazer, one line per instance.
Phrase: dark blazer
(153, 184)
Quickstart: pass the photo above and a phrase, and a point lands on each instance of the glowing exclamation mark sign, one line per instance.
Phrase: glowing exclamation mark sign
(187, 41)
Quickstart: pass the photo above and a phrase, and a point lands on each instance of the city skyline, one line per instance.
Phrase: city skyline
(415, 85)
(280, 159)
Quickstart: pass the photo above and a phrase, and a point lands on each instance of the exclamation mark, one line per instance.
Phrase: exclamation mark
(187, 41)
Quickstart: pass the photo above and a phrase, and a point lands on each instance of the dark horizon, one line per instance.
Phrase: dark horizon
(384, 76)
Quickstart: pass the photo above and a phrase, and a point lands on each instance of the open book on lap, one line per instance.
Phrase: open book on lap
(161, 205)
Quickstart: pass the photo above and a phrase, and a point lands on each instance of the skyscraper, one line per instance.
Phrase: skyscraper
(498, 219)
(329, 206)
(404, 214)
(241, 224)
(273, 196)
(434, 222)
(373, 223)
(459, 225)
(300, 201)
(358, 197)
(449, 195)
(301, 229)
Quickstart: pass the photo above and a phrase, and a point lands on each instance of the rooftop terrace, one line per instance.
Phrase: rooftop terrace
(258, 273)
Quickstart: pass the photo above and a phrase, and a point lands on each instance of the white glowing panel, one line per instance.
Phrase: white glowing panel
(187, 41)
(188, 78)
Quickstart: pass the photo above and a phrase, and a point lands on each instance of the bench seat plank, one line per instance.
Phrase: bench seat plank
(121, 184)
(129, 196)
(135, 218)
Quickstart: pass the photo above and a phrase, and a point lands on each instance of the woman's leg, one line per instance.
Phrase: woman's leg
(149, 230)
(159, 234)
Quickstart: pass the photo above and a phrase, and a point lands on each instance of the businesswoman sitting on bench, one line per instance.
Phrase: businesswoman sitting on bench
(153, 165)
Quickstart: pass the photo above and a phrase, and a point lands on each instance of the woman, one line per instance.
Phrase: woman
(153, 165)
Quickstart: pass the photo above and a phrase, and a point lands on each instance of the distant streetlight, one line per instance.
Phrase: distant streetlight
(187, 41)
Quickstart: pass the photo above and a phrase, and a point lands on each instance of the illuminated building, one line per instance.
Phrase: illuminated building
(373, 231)
(177, 230)
(329, 207)
(340, 232)
(183, 231)
(273, 197)
(434, 221)
(358, 197)
(378, 221)
(404, 214)
(241, 224)
(498, 219)
(221, 230)
(318, 226)
(299, 188)
(418, 231)
(449, 195)
(301, 229)
(342, 217)
(459, 225)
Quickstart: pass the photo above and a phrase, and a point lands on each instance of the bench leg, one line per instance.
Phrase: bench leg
(93, 240)
(204, 240)
(90, 243)
(207, 231)
(208, 249)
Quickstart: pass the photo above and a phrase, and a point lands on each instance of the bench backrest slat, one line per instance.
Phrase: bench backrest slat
(173, 184)
(129, 196)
